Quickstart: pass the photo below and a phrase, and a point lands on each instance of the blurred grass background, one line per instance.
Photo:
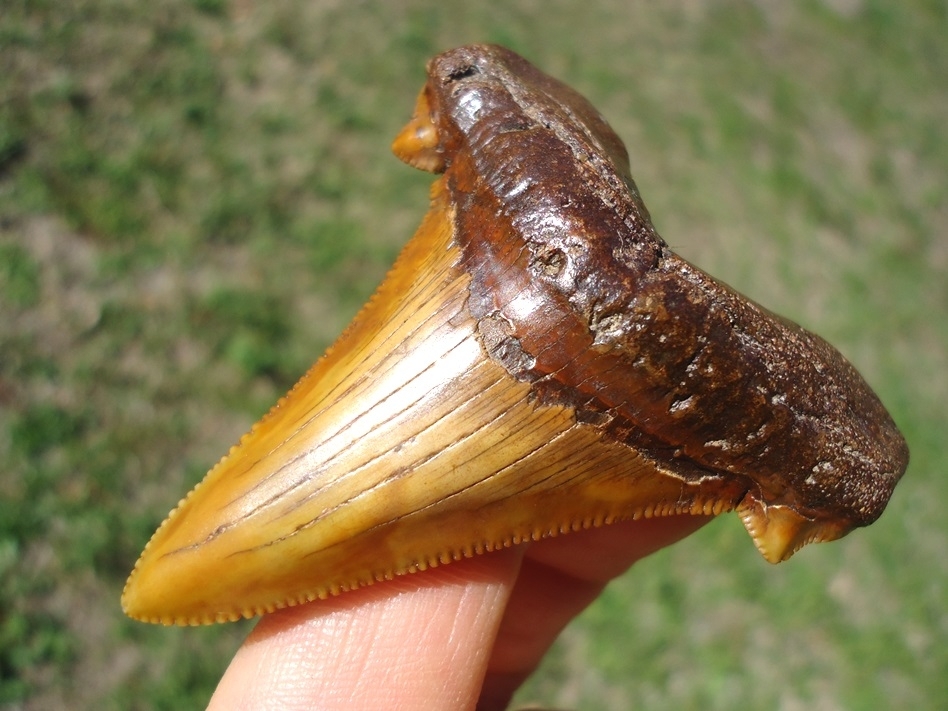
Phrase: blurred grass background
(196, 195)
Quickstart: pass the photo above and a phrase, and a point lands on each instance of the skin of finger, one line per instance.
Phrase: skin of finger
(420, 641)
(560, 577)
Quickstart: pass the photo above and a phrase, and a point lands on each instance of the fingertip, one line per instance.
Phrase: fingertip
(388, 640)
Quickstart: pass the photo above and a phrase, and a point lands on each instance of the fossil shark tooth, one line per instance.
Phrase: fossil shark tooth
(537, 361)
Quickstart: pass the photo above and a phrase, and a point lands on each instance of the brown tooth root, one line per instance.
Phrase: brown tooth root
(536, 361)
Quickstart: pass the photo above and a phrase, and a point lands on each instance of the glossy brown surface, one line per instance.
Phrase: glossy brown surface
(536, 362)
(604, 317)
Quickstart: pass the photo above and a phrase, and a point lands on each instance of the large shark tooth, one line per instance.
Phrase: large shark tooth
(537, 361)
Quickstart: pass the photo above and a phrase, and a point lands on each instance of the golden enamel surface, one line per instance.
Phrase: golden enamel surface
(537, 361)
(403, 448)
(417, 143)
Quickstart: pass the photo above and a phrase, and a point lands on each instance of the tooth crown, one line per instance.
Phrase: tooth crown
(405, 447)
(537, 361)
